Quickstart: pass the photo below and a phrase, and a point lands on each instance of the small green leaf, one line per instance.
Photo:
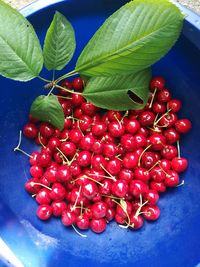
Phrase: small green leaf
(60, 43)
(123, 205)
(133, 38)
(47, 108)
(115, 92)
(20, 51)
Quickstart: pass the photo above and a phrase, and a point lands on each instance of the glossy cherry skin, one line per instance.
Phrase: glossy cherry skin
(84, 158)
(58, 191)
(158, 186)
(183, 126)
(63, 173)
(157, 174)
(157, 141)
(43, 159)
(36, 171)
(128, 142)
(68, 218)
(58, 207)
(127, 209)
(75, 135)
(158, 107)
(44, 212)
(105, 189)
(157, 82)
(99, 209)
(109, 150)
(113, 166)
(46, 130)
(168, 120)
(141, 174)
(174, 105)
(172, 179)
(171, 135)
(151, 212)
(132, 126)
(110, 214)
(120, 188)
(130, 160)
(164, 95)
(98, 225)
(116, 129)
(148, 160)
(54, 143)
(31, 187)
(68, 148)
(179, 164)
(87, 142)
(30, 130)
(169, 152)
(98, 161)
(89, 189)
(82, 222)
(99, 128)
(152, 197)
(43, 196)
(136, 222)
(88, 108)
(125, 174)
(146, 118)
(78, 84)
(138, 188)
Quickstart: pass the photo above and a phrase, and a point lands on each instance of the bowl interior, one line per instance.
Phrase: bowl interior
(171, 241)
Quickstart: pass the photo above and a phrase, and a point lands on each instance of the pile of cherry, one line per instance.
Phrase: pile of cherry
(106, 165)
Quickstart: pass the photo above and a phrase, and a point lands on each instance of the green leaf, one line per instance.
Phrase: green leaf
(20, 52)
(47, 108)
(114, 92)
(60, 43)
(132, 39)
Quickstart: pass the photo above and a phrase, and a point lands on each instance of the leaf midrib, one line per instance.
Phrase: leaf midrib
(110, 90)
(117, 53)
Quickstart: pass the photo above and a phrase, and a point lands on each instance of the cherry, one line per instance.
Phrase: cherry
(97, 147)
(143, 131)
(132, 126)
(110, 215)
(68, 218)
(88, 108)
(114, 115)
(168, 120)
(77, 100)
(130, 160)
(157, 141)
(136, 222)
(183, 126)
(43, 196)
(83, 222)
(116, 129)
(169, 152)
(128, 142)
(125, 174)
(53, 143)
(165, 164)
(78, 84)
(151, 212)
(98, 225)
(141, 174)
(33, 158)
(41, 140)
(138, 188)
(68, 149)
(174, 105)
(44, 212)
(105, 189)
(113, 166)
(140, 140)
(157, 82)
(119, 219)
(172, 179)
(171, 135)
(66, 84)
(146, 118)
(63, 173)
(43, 160)
(120, 188)
(75, 169)
(157, 174)
(159, 107)
(179, 164)
(36, 171)
(151, 196)
(84, 158)
(46, 130)
(98, 161)
(158, 186)
(31, 186)
(76, 197)
(75, 136)
(99, 128)
(58, 192)
(125, 210)
(58, 207)
(164, 95)
(148, 159)
(85, 123)
(89, 189)
(30, 130)
(99, 209)
(64, 135)
(97, 175)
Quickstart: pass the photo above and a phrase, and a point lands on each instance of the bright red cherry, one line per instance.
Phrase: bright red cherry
(63, 173)
(98, 225)
(98, 161)
(83, 222)
(43, 196)
(46, 130)
(164, 95)
(54, 143)
(116, 129)
(113, 166)
(44, 212)
(128, 142)
(157, 82)
(78, 84)
(58, 207)
(151, 212)
(141, 174)
(99, 209)
(58, 191)
(157, 141)
(130, 160)
(97, 147)
(169, 152)
(174, 105)
(68, 148)
(151, 196)
(88, 108)
(120, 188)
(125, 174)
(179, 164)
(36, 171)
(146, 118)
(30, 130)
(43, 160)
(87, 142)
(148, 160)
(157, 174)
(158, 186)
(183, 126)
(68, 218)
(136, 222)
(172, 179)
(158, 107)
(99, 128)
(89, 189)
(109, 150)
(168, 120)
(132, 126)
(138, 188)
(77, 100)
(84, 158)
(171, 135)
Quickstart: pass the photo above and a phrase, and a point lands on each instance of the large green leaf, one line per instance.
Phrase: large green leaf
(47, 108)
(60, 44)
(132, 39)
(119, 92)
(20, 52)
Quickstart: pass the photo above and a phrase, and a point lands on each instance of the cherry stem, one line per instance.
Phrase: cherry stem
(178, 148)
(107, 172)
(140, 157)
(69, 74)
(158, 162)
(182, 183)
(65, 97)
(78, 231)
(125, 115)
(93, 180)
(39, 138)
(78, 195)
(17, 148)
(139, 209)
(42, 185)
(153, 96)
(50, 92)
(45, 80)
(125, 210)
(164, 171)
(67, 90)
(104, 176)
(156, 122)
(67, 161)
(120, 122)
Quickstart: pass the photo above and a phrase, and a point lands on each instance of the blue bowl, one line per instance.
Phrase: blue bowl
(172, 241)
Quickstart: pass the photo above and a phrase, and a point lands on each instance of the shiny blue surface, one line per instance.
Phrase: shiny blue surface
(172, 241)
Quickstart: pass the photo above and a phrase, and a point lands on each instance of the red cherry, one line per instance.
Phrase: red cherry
(63, 173)
(148, 160)
(174, 105)
(157, 82)
(105, 189)
(168, 120)
(43, 196)
(97, 147)
(98, 225)
(33, 158)
(146, 118)
(128, 142)
(169, 152)
(113, 166)
(141, 174)
(116, 129)
(78, 84)
(138, 188)
(159, 107)
(99, 209)
(130, 160)
(114, 115)
(126, 174)
(77, 100)
(110, 215)
(120, 188)
(31, 186)
(36, 171)
(158, 186)
(84, 158)
(43, 160)
(98, 161)
(68, 148)
(164, 95)
(99, 128)
(127, 209)
(132, 126)
(136, 222)
(171, 135)
(58, 207)
(66, 84)
(46, 130)
(30, 130)
(151, 196)
(54, 143)
(68, 218)
(157, 141)
(172, 179)
(75, 136)
(140, 140)
(179, 164)
(89, 189)
(151, 212)
(85, 123)
(157, 174)
(88, 108)
(183, 126)
(58, 192)
(83, 222)
(44, 212)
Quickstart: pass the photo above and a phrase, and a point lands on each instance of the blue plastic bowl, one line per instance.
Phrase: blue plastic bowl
(172, 241)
